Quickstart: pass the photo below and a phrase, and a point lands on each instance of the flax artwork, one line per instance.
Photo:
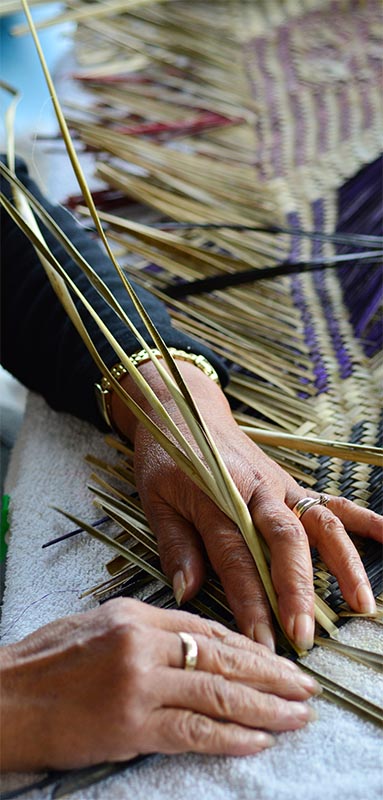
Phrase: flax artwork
(251, 139)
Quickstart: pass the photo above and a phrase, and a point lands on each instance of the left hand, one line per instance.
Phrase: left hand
(186, 522)
(119, 670)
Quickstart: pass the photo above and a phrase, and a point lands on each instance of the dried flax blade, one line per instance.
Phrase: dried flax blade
(165, 198)
(171, 44)
(218, 336)
(349, 452)
(168, 445)
(209, 591)
(332, 691)
(116, 545)
(8, 7)
(225, 492)
(134, 506)
(215, 188)
(50, 263)
(351, 701)
(161, 241)
(101, 10)
(122, 473)
(119, 511)
(127, 553)
(216, 143)
(367, 657)
(141, 532)
(327, 618)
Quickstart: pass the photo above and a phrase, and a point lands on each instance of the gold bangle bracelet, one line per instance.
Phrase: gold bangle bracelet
(104, 389)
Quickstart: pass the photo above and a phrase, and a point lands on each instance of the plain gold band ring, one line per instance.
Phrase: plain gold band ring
(305, 503)
(190, 650)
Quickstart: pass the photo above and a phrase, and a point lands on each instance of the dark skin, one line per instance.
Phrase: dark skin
(187, 523)
(56, 700)
(53, 682)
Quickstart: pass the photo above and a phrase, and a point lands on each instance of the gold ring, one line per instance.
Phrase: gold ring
(305, 503)
(190, 650)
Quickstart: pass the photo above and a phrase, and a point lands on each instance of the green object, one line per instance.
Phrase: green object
(4, 526)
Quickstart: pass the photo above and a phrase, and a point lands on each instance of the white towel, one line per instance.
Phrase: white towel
(338, 757)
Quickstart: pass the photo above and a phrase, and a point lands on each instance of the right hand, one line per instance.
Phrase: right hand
(108, 684)
(189, 526)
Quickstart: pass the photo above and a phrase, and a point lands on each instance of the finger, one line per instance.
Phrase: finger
(219, 698)
(327, 533)
(357, 519)
(291, 567)
(161, 649)
(176, 621)
(274, 675)
(180, 549)
(179, 731)
(184, 621)
(234, 564)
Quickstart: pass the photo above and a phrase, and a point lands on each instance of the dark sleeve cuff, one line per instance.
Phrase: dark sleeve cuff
(39, 344)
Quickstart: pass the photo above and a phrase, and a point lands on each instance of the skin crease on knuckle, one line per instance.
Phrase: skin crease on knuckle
(223, 698)
(328, 531)
(230, 662)
(195, 730)
(285, 531)
(126, 640)
(251, 668)
(329, 525)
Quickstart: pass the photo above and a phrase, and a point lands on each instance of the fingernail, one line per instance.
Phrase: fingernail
(179, 586)
(265, 740)
(263, 634)
(304, 712)
(365, 599)
(304, 631)
(312, 715)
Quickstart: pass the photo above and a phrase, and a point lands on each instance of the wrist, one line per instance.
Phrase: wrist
(207, 395)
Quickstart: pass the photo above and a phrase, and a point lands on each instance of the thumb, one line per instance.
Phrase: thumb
(180, 548)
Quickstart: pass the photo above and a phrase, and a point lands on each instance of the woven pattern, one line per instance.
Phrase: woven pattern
(260, 114)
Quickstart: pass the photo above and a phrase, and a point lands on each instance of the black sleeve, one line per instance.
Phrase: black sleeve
(39, 344)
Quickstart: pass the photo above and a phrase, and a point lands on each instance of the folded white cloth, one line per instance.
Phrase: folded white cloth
(338, 757)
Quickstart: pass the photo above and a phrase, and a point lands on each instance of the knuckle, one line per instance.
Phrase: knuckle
(276, 708)
(224, 697)
(342, 504)
(286, 532)
(231, 556)
(196, 730)
(331, 526)
(229, 662)
(124, 639)
(130, 643)
(214, 630)
(373, 521)
(118, 612)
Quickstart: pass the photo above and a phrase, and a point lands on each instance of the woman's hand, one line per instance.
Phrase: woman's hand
(187, 523)
(109, 684)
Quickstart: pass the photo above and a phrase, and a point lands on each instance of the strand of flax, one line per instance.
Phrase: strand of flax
(213, 478)
(360, 453)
